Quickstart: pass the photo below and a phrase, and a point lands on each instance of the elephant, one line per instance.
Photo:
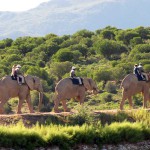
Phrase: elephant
(131, 86)
(10, 88)
(65, 89)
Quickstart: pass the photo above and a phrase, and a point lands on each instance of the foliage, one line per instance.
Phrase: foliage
(66, 137)
(110, 87)
(104, 55)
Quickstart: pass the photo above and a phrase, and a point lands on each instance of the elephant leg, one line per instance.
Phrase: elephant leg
(145, 99)
(28, 100)
(130, 102)
(56, 103)
(20, 105)
(81, 99)
(124, 97)
(2, 107)
(65, 106)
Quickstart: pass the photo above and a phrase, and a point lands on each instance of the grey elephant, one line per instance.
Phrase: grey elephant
(65, 89)
(131, 86)
(10, 88)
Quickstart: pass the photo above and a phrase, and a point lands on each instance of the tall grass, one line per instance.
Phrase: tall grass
(82, 127)
(66, 137)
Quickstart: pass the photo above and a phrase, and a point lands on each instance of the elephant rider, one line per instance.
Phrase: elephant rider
(137, 72)
(73, 75)
(13, 72)
(142, 73)
(20, 77)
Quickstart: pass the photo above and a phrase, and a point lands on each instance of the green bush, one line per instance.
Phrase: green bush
(106, 97)
(111, 87)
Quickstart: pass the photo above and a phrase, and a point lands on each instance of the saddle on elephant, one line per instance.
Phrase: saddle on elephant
(144, 77)
(76, 80)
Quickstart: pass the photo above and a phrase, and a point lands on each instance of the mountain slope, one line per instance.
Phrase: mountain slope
(68, 16)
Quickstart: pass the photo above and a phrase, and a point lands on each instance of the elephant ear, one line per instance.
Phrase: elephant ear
(30, 82)
(87, 84)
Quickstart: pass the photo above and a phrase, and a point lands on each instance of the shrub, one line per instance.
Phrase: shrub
(106, 97)
(110, 87)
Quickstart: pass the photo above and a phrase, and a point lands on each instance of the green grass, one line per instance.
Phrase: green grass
(67, 136)
(83, 128)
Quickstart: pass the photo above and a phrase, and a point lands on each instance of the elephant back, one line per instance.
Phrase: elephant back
(6, 79)
(129, 80)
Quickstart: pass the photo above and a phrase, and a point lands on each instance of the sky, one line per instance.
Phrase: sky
(19, 5)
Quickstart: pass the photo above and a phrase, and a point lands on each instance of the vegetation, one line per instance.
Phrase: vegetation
(81, 128)
(106, 56)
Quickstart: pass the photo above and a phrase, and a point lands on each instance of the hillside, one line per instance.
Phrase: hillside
(67, 17)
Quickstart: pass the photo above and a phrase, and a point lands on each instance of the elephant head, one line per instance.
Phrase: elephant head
(34, 83)
(90, 85)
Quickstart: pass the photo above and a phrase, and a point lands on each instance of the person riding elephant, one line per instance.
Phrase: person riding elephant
(66, 89)
(72, 72)
(9, 88)
(13, 72)
(19, 74)
(131, 86)
(137, 72)
(73, 75)
(142, 72)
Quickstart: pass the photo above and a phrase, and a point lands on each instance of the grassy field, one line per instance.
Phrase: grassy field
(83, 127)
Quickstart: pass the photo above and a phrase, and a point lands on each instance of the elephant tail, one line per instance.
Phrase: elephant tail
(124, 86)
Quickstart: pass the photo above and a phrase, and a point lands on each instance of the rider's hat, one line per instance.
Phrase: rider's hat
(73, 68)
(18, 66)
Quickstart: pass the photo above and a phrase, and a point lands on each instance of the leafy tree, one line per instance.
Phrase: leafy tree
(135, 41)
(147, 67)
(109, 47)
(143, 32)
(84, 33)
(8, 42)
(86, 41)
(126, 36)
(81, 48)
(118, 73)
(68, 43)
(102, 75)
(51, 48)
(63, 55)
(107, 34)
(2, 44)
(60, 69)
(36, 71)
(50, 36)
(76, 56)
(13, 57)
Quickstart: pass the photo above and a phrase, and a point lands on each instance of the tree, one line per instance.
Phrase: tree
(143, 32)
(107, 34)
(109, 47)
(102, 75)
(58, 69)
(135, 41)
(63, 55)
(8, 42)
(126, 36)
(84, 33)
(81, 48)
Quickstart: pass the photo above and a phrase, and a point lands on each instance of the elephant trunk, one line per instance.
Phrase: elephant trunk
(40, 100)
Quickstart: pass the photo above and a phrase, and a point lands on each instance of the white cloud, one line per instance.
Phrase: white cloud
(80, 6)
(19, 5)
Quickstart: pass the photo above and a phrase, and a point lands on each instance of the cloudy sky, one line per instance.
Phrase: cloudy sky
(23, 5)
(19, 5)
